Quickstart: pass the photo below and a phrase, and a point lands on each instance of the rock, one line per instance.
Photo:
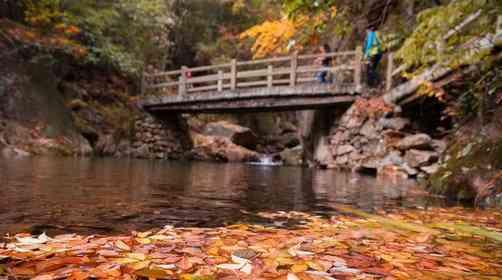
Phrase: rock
(412, 172)
(342, 160)
(430, 169)
(106, 145)
(394, 123)
(370, 163)
(84, 148)
(417, 141)
(322, 154)
(344, 149)
(287, 127)
(239, 135)
(370, 129)
(439, 146)
(391, 139)
(418, 158)
(393, 172)
(141, 152)
(293, 156)
(393, 158)
(352, 120)
(14, 153)
(218, 148)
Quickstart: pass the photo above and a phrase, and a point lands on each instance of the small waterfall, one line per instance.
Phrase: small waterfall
(266, 160)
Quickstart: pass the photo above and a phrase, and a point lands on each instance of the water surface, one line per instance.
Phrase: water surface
(115, 195)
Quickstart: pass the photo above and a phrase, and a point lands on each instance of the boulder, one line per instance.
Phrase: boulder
(394, 123)
(418, 158)
(13, 153)
(393, 158)
(371, 129)
(392, 172)
(106, 145)
(287, 127)
(344, 149)
(417, 141)
(430, 169)
(217, 148)
(293, 156)
(239, 135)
(352, 120)
(439, 146)
(141, 152)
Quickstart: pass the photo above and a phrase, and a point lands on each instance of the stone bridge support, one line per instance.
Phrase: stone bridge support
(161, 136)
(315, 129)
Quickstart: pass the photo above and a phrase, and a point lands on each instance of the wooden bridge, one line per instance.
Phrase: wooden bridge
(287, 83)
(281, 83)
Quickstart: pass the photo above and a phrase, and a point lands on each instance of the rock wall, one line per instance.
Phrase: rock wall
(160, 137)
(372, 138)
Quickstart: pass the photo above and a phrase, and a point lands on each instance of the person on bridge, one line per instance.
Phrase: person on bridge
(323, 61)
(373, 54)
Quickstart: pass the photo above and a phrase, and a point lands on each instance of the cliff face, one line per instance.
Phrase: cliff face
(54, 108)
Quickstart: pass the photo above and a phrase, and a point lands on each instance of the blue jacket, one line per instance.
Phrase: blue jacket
(372, 44)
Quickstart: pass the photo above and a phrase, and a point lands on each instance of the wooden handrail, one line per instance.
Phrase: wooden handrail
(286, 70)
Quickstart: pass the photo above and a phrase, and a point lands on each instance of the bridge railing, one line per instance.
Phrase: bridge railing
(279, 71)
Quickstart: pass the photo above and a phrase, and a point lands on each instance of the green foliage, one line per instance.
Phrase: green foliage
(123, 33)
(420, 50)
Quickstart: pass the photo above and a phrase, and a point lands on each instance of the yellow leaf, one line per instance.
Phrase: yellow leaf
(297, 268)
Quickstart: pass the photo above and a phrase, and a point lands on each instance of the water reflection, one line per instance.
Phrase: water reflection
(106, 195)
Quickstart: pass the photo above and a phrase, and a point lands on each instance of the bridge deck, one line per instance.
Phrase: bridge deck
(305, 96)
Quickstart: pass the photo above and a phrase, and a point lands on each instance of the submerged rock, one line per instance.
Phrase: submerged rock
(293, 156)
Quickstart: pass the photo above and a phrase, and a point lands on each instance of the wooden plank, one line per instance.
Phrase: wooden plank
(294, 67)
(220, 81)
(253, 84)
(358, 69)
(263, 61)
(270, 76)
(305, 80)
(390, 66)
(209, 67)
(204, 88)
(233, 74)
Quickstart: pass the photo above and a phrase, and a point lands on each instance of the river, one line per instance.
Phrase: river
(106, 196)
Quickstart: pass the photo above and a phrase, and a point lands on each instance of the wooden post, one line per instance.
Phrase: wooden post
(294, 67)
(182, 86)
(220, 80)
(390, 69)
(233, 75)
(270, 76)
(358, 69)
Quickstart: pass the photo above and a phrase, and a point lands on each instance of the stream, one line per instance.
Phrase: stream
(105, 196)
